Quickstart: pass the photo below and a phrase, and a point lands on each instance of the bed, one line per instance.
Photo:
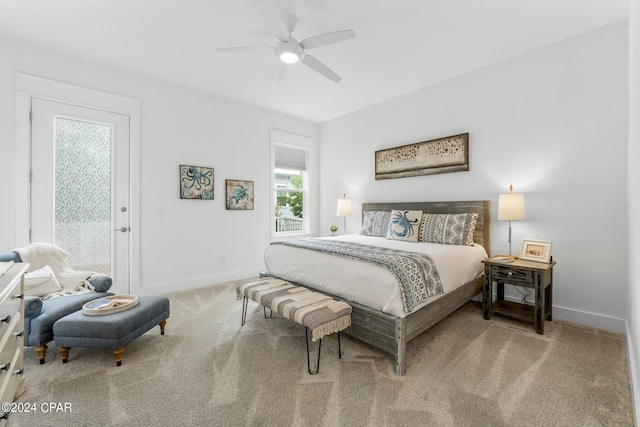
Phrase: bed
(379, 321)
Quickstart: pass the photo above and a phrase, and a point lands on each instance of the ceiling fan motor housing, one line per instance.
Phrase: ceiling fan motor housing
(289, 51)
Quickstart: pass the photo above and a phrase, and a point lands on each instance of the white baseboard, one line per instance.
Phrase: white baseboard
(593, 320)
(200, 282)
(633, 374)
(584, 318)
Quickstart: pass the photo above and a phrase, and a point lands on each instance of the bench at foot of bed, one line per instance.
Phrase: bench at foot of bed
(318, 313)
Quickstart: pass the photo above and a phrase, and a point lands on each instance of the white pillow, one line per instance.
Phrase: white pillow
(41, 282)
(404, 225)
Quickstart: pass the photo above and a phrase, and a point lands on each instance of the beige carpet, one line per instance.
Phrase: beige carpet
(208, 371)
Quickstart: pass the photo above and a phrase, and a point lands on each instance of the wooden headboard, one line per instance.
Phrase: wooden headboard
(481, 236)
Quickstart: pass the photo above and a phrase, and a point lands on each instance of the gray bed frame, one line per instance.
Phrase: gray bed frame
(391, 333)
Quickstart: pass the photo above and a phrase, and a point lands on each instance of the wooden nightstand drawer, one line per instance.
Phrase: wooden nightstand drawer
(535, 275)
(511, 274)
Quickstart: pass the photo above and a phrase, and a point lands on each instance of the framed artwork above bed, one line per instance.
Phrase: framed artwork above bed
(442, 155)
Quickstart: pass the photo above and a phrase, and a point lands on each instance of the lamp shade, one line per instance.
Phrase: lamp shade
(344, 206)
(511, 206)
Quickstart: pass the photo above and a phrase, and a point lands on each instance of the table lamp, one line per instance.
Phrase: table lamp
(511, 208)
(344, 210)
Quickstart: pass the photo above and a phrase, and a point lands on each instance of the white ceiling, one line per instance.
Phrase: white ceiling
(400, 45)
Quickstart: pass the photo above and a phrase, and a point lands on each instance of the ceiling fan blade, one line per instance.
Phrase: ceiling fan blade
(278, 73)
(328, 38)
(243, 49)
(272, 21)
(318, 66)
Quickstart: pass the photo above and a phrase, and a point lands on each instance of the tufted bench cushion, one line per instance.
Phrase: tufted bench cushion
(110, 330)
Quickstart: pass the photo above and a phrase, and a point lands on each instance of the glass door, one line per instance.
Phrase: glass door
(80, 186)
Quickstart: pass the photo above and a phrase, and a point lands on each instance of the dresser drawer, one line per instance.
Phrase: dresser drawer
(11, 339)
(8, 309)
(11, 333)
(9, 377)
(511, 274)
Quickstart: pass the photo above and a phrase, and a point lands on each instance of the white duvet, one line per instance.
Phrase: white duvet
(366, 283)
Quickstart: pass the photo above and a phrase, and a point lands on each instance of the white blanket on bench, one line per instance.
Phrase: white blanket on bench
(72, 282)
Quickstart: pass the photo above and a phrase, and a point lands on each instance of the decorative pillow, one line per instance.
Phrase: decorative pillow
(404, 225)
(41, 282)
(450, 229)
(376, 223)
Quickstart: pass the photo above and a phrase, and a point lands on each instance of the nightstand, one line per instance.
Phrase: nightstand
(529, 274)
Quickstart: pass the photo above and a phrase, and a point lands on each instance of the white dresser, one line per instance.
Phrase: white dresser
(11, 334)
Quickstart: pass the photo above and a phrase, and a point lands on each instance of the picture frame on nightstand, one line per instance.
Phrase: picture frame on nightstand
(536, 250)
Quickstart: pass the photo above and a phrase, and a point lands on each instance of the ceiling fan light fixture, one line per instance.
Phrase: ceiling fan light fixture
(289, 52)
(289, 57)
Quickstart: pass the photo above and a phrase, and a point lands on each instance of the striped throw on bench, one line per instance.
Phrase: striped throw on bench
(318, 312)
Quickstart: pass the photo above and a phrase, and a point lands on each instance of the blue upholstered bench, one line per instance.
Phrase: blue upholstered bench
(110, 330)
(40, 315)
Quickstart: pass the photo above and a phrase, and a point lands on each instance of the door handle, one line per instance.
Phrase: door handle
(123, 229)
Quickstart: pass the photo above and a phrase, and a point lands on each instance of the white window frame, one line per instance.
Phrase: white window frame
(297, 142)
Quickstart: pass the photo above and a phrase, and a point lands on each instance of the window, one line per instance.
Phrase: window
(289, 200)
(290, 186)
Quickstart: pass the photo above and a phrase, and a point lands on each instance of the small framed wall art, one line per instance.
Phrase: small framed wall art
(239, 195)
(536, 250)
(196, 182)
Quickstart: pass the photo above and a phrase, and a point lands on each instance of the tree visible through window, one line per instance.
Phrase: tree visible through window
(289, 200)
(292, 198)
(291, 182)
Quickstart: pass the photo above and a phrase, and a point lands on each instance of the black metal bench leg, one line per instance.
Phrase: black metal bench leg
(245, 306)
(339, 348)
(306, 336)
(245, 303)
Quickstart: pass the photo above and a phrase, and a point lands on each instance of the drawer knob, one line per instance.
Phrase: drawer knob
(510, 273)
(19, 334)
(19, 371)
(6, 318)
(20, 296)
(5, 366)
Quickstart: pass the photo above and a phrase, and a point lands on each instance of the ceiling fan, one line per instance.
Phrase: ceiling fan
(288, 49)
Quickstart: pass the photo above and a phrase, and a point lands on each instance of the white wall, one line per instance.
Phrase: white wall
(552, 122)
(182, 241)
(633, 333)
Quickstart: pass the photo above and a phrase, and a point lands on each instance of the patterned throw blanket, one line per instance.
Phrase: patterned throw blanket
(416, 273)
